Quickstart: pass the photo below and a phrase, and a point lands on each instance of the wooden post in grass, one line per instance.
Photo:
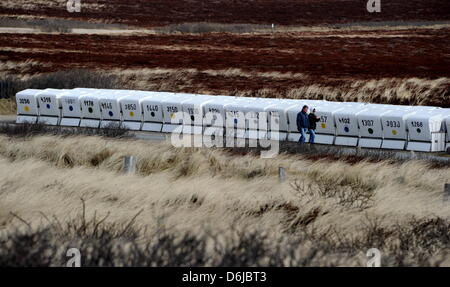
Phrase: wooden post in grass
(281, 174)
(129, 165)
(447, 192)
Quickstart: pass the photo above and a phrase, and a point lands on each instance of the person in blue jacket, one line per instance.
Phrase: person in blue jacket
(303, 124)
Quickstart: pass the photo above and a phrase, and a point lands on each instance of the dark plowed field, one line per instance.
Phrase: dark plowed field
(424, 54)
(286, 12)
(395, 65)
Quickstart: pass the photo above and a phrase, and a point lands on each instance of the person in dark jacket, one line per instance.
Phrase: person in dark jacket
(303, 124)
(313, 120)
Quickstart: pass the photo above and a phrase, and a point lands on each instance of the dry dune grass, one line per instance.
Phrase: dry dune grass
(11, 67)
(413, 91)
(334, 30)
(141, 76)
(7, 106)
(203, 190)
(409, 91)
(39, 4)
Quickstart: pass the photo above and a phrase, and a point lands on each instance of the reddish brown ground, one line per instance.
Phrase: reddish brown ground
(424, 54)
(335, 59)
(286, 12)
(326, 59)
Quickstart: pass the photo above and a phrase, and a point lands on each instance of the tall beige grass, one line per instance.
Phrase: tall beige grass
(408, 91)
(414, 91)
(8, 106)
(213, 190)
(49, 173)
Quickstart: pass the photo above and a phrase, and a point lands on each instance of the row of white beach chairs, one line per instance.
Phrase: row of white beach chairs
(418, 128)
